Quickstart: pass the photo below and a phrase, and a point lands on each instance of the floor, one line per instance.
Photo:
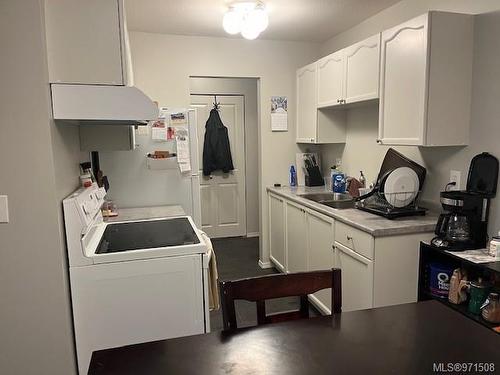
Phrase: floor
(236, 259)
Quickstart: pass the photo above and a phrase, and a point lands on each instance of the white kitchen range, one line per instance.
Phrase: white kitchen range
(132, 281)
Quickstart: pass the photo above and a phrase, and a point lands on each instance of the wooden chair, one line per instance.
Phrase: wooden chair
(259, 289)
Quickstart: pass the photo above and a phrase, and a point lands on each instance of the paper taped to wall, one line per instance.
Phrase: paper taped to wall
(279, 113)
(183, 156)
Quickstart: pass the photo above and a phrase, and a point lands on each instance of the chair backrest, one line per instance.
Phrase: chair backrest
(259, 289)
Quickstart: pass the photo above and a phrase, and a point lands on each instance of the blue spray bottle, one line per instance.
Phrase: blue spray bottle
(293, 176)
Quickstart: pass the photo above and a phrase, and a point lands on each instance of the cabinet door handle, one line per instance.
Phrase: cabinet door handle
(338, 100)
(379, 141)
(349, 238)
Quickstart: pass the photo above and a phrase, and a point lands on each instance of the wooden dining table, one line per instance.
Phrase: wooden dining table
(415, 338)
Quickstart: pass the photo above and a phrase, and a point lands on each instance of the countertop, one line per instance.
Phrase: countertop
(127, 214)
(377, 226)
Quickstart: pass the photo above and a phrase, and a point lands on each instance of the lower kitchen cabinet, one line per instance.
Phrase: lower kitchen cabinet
(277, 232)
(376, 271)
(296, 238)
(357, 278)
(320, 232)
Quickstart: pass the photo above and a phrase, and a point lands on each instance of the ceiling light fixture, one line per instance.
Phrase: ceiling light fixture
(246, 17)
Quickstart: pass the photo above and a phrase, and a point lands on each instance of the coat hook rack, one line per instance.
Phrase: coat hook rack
(216, 104)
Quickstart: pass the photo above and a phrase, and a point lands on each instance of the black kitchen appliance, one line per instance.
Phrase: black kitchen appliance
(464, 223)
(397, 204)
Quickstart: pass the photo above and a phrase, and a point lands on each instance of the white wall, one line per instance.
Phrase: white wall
(164, 63)
(248, 87)
(37, 168)
(361, 150)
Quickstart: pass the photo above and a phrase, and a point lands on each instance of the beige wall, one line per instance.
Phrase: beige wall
(361, 150)
(164, 63)
(400, 12)
(248, 87)
(35, 321)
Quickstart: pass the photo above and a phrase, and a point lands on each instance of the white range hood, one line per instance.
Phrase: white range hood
(102, 104)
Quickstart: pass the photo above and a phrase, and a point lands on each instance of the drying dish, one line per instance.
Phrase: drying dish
(401, 187)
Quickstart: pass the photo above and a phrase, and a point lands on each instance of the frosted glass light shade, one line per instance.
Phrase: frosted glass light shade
(232, 22)
(248, 18)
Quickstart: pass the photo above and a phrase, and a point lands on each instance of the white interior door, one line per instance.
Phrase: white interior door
(223, 195)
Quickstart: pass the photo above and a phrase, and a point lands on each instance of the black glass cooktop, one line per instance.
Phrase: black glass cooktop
(121, 237)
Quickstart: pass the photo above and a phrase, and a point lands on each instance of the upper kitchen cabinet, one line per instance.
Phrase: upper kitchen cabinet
(306, 103)
(87, 42)
(362, 64)
(350, 75)
(313, 125)
(331, 79)
(425, 81)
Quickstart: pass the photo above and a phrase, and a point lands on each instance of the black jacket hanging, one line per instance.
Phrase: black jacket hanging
(216, 150)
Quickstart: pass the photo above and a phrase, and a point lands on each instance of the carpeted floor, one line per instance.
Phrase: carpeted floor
(237, 258)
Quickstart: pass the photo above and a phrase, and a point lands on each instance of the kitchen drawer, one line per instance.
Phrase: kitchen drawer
(355, 239)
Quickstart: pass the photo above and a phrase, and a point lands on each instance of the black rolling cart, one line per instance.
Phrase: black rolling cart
(431, 255)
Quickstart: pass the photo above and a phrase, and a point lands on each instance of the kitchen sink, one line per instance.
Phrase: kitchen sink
(334, 200)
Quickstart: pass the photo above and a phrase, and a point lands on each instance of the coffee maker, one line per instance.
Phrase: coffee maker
(464, 223)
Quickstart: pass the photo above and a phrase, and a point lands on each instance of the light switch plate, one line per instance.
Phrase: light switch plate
(4, 209)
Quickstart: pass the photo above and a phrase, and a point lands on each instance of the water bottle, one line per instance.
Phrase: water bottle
(293, 176)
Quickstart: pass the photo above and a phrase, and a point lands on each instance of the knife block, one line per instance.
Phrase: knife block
(314, 177)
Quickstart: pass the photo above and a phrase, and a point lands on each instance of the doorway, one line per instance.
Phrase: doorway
(223, 203)
(229, 202)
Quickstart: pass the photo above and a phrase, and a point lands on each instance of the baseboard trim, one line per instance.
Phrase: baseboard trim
(253, 234)
(265, 265)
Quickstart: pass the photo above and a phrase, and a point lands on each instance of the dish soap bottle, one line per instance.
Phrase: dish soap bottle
(362, 179)
(338, 180)
(293, 176)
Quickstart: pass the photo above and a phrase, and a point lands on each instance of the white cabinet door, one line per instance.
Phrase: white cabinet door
(331, 79)
(403, 83)
(306, 104)
(277, 231)
(296, 238)
(85, 41)
(362, 62)
(357, 279)
(320, 249)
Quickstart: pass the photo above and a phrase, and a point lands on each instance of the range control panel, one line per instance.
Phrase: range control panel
(88, 202)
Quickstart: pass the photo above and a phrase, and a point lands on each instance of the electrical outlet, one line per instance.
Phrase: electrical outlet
(455, 177)
(4, 209)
